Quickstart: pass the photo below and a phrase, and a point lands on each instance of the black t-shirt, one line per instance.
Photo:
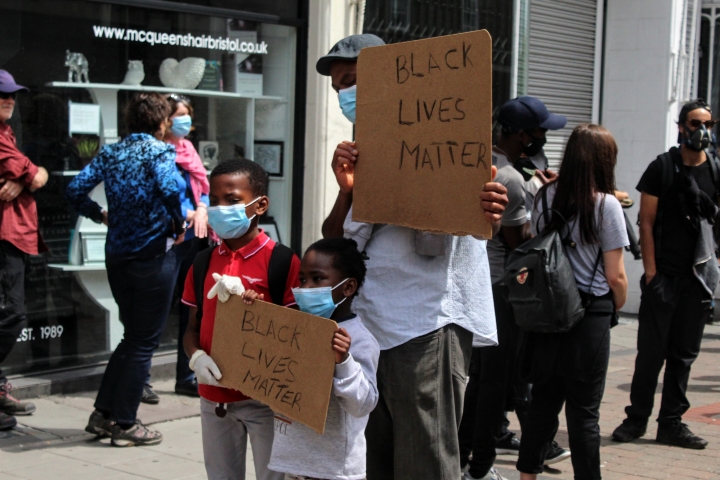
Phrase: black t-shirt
(678, 240)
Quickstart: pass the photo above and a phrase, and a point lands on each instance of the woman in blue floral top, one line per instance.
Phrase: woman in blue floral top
(144, 220)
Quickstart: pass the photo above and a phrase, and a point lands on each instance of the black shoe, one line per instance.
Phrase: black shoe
(556, 454)
(680, 436)
(629, 430)
(189, 389)
(507, 445)
(149, 397)
(7, 421)
(11, 405)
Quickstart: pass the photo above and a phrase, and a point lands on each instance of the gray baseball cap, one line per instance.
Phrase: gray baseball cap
(347, 49)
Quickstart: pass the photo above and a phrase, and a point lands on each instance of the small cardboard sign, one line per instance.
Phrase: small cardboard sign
(424, 133)
(278, 356)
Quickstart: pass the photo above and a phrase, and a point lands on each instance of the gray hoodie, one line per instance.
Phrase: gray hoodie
(340, 452)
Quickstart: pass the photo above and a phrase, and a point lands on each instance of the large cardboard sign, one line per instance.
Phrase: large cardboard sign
(278, 356)
(424, 133)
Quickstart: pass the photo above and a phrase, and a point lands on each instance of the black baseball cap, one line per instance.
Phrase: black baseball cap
(347, 49)
(528, 113)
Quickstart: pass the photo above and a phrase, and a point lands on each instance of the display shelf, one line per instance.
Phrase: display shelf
(65, 173)
(144, 88)
(66, 267)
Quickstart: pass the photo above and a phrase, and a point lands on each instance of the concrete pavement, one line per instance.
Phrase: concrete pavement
(51, 444)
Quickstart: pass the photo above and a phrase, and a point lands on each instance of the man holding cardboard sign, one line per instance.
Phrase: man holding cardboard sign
(425, 294)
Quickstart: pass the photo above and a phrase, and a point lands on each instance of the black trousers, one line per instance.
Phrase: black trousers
(672, 317)
(493, 389)
(12, 298)
(568, 368)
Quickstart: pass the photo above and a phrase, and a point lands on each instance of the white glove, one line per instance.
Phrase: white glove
(206, 371)
(225, 285)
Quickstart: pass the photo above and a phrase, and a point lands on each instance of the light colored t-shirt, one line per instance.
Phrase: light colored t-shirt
(610, 221)
(407, 295)
(515, 215)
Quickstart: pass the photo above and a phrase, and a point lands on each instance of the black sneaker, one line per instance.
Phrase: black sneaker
(556, 454)
(99, 425)
(7, 421)
(507, 445)
(149, 396)
(680, 436)
(11, 405)
(189, 389)
(629, 430)
(137, 435)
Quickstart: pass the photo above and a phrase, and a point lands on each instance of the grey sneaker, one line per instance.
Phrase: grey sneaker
(137, 435)
(99, 425)
(491, 475)
(11, 405)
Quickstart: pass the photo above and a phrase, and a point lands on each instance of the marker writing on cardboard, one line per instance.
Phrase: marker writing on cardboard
(437, 155)
(451, 59)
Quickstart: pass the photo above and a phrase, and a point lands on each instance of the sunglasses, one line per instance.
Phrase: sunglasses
(179, 98)
(694, 123)
(5, 96)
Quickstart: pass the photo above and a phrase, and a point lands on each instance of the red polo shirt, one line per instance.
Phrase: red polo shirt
(250, 263)
(18, 218)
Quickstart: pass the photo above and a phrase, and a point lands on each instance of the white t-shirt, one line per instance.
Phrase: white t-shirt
(610, 222)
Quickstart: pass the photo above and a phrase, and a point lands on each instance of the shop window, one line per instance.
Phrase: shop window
(240, 78)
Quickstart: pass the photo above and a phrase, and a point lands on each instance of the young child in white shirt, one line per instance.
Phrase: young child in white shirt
(331, 273)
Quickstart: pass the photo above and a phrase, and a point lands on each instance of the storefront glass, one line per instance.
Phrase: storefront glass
(240, 78)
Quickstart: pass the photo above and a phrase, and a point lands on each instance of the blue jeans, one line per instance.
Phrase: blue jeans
(143, 290)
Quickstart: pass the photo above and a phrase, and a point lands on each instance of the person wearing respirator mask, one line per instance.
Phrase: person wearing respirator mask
(414, 268)
(193, 186)
(678, 208)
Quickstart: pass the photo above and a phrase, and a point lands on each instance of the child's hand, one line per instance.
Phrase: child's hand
(249, 296)
(341, 345)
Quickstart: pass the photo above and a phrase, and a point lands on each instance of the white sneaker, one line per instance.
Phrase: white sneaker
(492, 475)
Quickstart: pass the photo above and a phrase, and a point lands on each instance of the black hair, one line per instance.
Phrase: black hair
(690, 106)
(256, 174)
(346, 257)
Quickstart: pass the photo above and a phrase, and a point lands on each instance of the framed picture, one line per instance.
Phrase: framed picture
(269, 226)
(269, 155)
(93, 247)
(209, 154)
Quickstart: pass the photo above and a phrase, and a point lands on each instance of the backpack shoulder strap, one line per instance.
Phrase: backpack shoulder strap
(278, 271)
(201, 265)
(714, 171)
(668, 171)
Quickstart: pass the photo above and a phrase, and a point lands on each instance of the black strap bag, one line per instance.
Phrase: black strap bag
(540, 281)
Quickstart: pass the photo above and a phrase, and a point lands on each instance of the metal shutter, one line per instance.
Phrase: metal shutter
(561, 63)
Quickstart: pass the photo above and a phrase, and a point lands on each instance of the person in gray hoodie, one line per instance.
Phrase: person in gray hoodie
(331, 273)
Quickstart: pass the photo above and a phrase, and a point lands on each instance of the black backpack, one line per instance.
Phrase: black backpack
(278, 271)
(540, 281)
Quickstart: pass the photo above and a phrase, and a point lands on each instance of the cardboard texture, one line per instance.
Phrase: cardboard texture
(424, 133)
(278, 356)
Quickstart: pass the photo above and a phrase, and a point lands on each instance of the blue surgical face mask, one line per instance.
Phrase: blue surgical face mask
(317, 301)
(230, 221)
(181, 126)
(346, 96)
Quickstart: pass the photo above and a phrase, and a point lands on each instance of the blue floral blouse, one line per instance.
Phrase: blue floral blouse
(142, 193)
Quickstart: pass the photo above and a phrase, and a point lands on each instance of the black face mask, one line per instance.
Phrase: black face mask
(697, 140)
(535, 146)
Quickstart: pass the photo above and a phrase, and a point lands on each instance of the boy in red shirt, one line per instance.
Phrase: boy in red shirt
(238, 190)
